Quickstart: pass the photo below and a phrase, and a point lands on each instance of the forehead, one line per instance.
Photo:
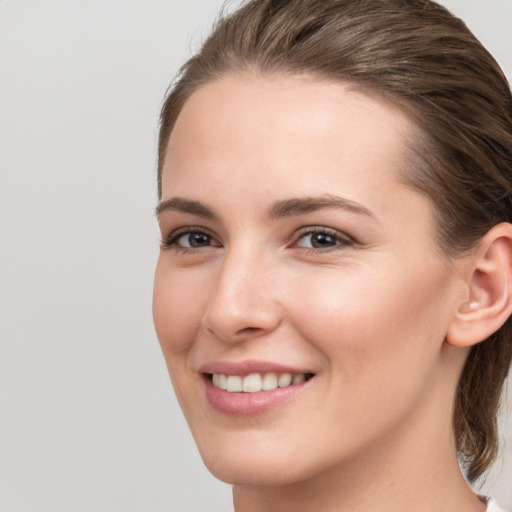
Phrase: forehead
(285, 101)
(287, 126)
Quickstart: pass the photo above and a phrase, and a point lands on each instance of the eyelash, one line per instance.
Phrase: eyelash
(172, 240)
(341, 241)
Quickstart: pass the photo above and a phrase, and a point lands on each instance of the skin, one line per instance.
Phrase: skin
(367, 312)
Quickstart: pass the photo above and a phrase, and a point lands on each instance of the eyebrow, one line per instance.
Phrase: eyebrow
(181, 204)
(280, 209)
(300, 206)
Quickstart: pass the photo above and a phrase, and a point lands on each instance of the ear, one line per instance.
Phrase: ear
(489, 298)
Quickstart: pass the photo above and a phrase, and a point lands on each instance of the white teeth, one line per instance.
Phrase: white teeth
(223, 382)
(285, 379)
(252, 383)
(269, 382)
(234, 384)
(255, 382)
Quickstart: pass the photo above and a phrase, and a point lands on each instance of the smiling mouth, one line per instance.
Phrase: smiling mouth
(256, 382)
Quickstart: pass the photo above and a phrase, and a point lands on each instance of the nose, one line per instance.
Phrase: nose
(243, 301)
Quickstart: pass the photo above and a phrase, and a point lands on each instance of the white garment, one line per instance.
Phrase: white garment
(492, 506)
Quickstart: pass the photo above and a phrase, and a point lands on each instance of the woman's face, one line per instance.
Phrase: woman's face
(293, 252)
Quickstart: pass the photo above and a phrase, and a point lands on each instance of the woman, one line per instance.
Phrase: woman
(334, 289)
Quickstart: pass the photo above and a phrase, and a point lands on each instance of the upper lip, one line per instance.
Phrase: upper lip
(247, 367)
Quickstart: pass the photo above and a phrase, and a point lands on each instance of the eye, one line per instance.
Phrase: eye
(322, 238)
(190, 238)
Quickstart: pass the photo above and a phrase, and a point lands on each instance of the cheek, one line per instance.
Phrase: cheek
(381, 340)
(178, 306)
(382, 318)
(177, 314)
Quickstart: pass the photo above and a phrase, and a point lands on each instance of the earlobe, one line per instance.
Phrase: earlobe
(489, 301)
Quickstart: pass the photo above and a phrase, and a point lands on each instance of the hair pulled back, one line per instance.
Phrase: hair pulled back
(418, 55)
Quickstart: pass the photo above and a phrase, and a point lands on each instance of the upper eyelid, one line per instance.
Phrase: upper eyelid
(175, 234)
(189, 229)
(324, 229)
(319, 228)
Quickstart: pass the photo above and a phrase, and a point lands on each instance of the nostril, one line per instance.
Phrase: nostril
(248, 330)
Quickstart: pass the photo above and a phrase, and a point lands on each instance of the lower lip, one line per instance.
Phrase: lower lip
(249, 404)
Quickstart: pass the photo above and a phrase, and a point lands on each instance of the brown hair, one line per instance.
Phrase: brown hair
(425, 60)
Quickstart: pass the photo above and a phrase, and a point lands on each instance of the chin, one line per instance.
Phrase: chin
(238, 464)
(255, 463)
(253, 473)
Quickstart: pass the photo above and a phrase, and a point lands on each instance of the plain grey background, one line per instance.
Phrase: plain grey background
(88, 421)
